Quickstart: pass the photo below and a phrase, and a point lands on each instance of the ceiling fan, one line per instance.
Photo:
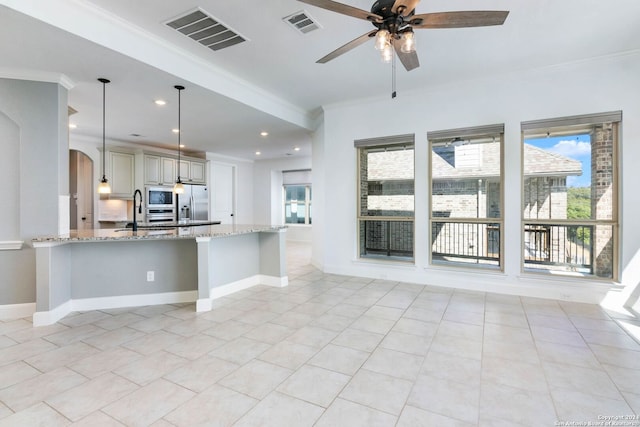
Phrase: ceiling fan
(395, 21)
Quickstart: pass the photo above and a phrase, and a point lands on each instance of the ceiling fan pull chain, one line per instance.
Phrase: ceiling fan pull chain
(393, 74)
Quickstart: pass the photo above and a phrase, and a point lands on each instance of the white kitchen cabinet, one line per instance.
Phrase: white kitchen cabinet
(168, 169)
(197, 170)
(185, 170)
(152, 170)
(161, 170)
(121, 174)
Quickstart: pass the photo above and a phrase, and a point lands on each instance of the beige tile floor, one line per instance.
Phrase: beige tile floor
(326, 351)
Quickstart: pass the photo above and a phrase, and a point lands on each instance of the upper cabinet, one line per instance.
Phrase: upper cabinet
(198, 172)
(168, 171)
(185, 170)
(128, 169)
(152, 169)
(161, 170)
(121, 173)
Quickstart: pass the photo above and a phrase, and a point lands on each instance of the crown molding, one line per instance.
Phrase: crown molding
(37, 76)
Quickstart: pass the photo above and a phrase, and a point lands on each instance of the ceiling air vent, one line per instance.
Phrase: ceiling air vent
(301, 22)
(206, 30)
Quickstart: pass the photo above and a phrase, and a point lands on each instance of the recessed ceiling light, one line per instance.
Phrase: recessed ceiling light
(175, 130)
(160, 102)
(264, 133)
(258, 153)
(296, 148)
(72, 125)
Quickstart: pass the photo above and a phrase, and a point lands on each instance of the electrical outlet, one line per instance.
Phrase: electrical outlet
(151, 276)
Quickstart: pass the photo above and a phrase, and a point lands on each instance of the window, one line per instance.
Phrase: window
(385, 197)
(569, 210)
(466, 196)
(297, 196)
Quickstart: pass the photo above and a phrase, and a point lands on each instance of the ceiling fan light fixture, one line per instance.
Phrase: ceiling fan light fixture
(408, 42)
(383, 38)
(387, 54)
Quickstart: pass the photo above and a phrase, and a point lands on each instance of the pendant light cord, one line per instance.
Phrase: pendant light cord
(179, 132)
(104, 103)
(104, 155)
(180, 88)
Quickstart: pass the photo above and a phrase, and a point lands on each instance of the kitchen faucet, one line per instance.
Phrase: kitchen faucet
(135, 223)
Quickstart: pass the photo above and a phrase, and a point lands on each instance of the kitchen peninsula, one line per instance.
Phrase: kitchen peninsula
(107, 268)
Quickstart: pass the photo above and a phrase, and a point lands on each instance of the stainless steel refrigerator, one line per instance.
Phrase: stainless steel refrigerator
(193, 205)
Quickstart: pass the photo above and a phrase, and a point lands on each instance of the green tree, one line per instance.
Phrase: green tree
(579, 202)
(579, 207)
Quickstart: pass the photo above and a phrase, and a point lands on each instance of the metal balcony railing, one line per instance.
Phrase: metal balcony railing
(564, 247)
(386, 238)
(465, 242)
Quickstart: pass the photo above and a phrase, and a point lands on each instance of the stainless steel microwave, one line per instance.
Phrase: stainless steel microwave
(160, 197)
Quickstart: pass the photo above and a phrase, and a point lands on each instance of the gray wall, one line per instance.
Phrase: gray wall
(234, 258)
(105, 269)
(39, 113)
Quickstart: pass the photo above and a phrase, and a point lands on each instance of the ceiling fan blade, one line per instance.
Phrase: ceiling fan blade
(408, 59)
(347, 47)
(471, 18)
(334, 6)
(407, 6)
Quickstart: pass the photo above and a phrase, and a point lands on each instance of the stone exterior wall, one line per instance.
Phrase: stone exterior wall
(545, 198)
(602, 197)
(460, 198)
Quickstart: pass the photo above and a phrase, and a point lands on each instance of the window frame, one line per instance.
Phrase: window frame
(573, 125)
(297, 178)
(408, 141)
(307, 204)
(495, 131)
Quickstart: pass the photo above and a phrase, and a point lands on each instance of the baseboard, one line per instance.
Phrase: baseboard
(317, 264)
(17, 311)
(240, 285)
(233, 287)
(43, 318)
(278, 282)
(121, 301)
(204, 304)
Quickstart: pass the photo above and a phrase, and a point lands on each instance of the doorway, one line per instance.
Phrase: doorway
(81, 190)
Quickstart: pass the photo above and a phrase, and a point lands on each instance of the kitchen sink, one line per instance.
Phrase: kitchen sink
(148, 228)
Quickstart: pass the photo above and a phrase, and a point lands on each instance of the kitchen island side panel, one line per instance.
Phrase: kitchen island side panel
(53, 277)
(273, 256)
(118, 268)
(234, 258)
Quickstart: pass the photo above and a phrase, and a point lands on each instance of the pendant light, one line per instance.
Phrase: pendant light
(179, 187)
(103, 186)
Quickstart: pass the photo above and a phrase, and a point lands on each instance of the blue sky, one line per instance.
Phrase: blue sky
(577, 147)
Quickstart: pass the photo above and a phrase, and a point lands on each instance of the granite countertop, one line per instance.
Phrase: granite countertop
(163, 232)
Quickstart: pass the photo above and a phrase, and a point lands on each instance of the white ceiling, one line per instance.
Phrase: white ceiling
(271, 82)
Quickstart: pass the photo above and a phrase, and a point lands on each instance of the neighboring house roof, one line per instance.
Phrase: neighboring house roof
(542, 162)
(483, 160)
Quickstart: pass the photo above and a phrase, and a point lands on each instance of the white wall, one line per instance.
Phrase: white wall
(599, 85)
(267, 196)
